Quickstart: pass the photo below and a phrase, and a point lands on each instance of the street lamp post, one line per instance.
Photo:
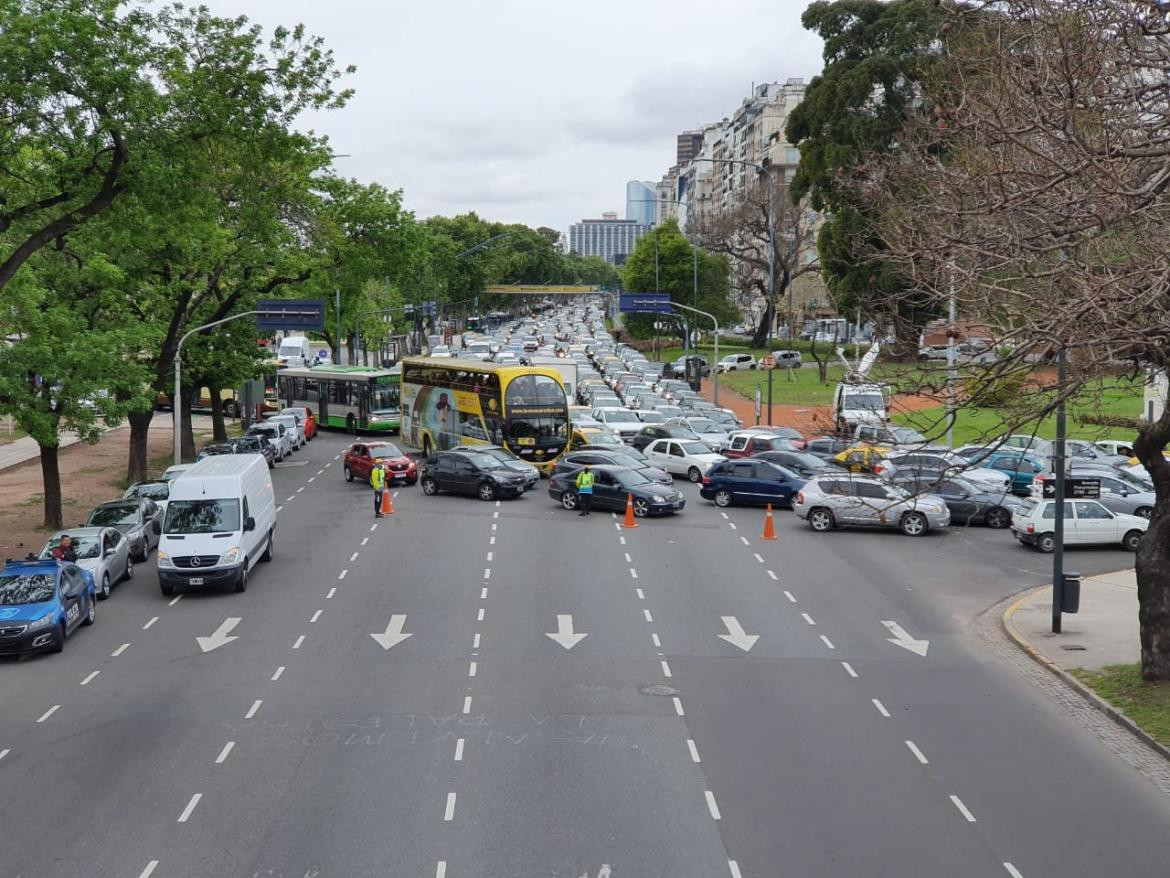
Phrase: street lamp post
(694, 261)
(715, 367)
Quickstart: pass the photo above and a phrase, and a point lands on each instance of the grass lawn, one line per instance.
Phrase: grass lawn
(6, 437)
(1147, 704)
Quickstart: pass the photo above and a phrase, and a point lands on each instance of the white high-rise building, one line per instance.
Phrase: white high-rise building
(610, 238)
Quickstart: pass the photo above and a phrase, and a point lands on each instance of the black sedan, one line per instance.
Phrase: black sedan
(612, 485)
(969, 502)
(802, 463)
(601, 456)
(476, 474)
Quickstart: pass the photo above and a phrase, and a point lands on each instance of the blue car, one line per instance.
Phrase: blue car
(750, 481)
(41, 603)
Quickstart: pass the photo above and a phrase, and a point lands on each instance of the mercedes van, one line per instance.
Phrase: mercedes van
(221, 520)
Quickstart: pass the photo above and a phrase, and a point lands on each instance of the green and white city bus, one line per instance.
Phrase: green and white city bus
(351, 398)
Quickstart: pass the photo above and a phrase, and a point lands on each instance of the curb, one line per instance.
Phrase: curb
(1094, 700)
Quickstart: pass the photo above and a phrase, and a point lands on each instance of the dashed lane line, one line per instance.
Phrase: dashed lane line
(656, 641)
(483, 593)
(190, 809)
(441, 869)
(479, 616)
(149, 870)
(449, 811)
(849, 669)
(633, 573)
(459, 750)
(771, 575)
(475, 642)
(745, 540)
(665, 669)
(694, 751)
(646, 613)
(353, 557)
(121, 649)
(471, 669)
(279, 671)
(90, 677)
(467, 704)
(300, 639)
(641, 594)
(48, 713)
(712, 806)
(808, 618)
(344, 573)
(329, 595)
(175, 600)
(255, 707)
(487, 573)
(958, 803)
(316, 616)
(791, 599)
(373, 527)
(4, 752)
(150, 622)
(918, 754)
(1012, 870)
(828, 643)
(734, 867)
(365, 540)
(678, 708)
(758, 558)
(223, 754)
(731, 524)
(881, 708)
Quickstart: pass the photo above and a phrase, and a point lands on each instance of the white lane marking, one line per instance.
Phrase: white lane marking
(967, 815)
(279, 671)
(492, 541)
(337, 457)
(487, 573)
(616, 526)
(495, 515)
(459, 750)
(678, 708)
(731, 524)
(711, 806)
(441, 869)
(185, 816)
(90, 677)
(646, 613)
(121, 649)
(479, 616)
(881, 708)
(475, 642)
(758, 558)
(917, 753)
(223, 754)
(827, 642)
(734, 867)
(278, 508)
(771, 574)
(1012, 870)
(48, 713)
(301, 488)
(641, 595)
(633, 573)
(724, 514)
(746, 542)
(791, 599)
(316, 616)
(343, 573)
(489, 555)
(467, 704)
(629, 560)
(4, 752)
(808, 618)
(497, 504)
(320, 470)
(373, 527)
(449, 812)
(331, 593)
(694, 750)
(175, 600)
(290, 499)
(255, 707)
(483, 593)
(494, 525)
(299, 641)
(471, 670)
(150, 622)
(394, 496)
(849, 669)
(149, 870)
(665, 669)
(312, 479)
(353, 557)
(623, 540)
(365, 540)
(657, 642)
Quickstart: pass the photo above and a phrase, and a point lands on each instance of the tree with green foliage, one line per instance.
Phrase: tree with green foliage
(664, 261)
(876, 56)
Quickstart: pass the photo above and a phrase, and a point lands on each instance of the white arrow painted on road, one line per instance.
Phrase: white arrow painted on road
(393, 635)
(736, 636)
(564, 635)
(220, 637)
(904, 640)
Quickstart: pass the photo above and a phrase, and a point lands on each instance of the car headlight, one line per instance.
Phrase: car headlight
(44, 622)
(164, 559)
(231, 556)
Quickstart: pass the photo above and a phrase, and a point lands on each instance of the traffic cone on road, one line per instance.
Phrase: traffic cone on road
(387, 506)
(769, 526)
(629, 522)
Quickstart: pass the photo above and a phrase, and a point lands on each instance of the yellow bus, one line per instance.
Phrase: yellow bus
(448, 402)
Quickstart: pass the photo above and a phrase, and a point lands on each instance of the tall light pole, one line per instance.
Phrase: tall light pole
(694, 261)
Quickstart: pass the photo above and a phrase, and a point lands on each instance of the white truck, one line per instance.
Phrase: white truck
(857, 399)
(567, 368)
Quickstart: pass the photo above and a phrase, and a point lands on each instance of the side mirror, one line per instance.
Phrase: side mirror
(107, 553)
(249, 523)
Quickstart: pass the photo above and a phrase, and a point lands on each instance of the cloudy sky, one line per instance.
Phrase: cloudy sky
(535, 111)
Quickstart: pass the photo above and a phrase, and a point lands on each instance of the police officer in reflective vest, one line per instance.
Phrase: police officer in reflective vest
(378, 481)
(585, 489)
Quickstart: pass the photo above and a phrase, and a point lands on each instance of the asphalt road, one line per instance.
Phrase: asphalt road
(480, 746)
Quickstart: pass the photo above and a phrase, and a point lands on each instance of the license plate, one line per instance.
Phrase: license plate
(196, 580)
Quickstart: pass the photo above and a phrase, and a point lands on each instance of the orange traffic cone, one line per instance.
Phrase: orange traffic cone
(387, 506)
(769, 527)
(629, 522)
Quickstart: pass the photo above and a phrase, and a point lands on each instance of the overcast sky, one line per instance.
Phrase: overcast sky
(535, 111)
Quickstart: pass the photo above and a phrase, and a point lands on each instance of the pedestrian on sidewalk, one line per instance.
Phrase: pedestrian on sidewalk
(585, 489)
(378, 482)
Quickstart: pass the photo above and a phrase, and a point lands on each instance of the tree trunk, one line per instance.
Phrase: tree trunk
(218, 429)
(136, 467)
(188, 442)
(51, 480)
(760, 338)
(1152, 561)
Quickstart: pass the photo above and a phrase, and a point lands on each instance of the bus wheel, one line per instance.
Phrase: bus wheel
(350, 425)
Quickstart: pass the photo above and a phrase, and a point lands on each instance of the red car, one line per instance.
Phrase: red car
(745, 443)
(361, 457)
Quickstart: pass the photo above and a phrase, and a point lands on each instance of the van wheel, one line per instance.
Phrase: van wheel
(269, 551)
(1130, 541)
(1046, 543)
(242, 585)
(694, 475)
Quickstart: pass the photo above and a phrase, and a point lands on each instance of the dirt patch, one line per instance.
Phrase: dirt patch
(89, 475)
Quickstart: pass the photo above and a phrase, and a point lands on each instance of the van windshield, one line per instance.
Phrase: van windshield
(864, 401)
(202, 516)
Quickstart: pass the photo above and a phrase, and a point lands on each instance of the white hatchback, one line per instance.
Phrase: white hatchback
(682, 457)
(1085, 522)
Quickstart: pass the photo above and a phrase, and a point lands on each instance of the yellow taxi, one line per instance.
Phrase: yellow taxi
(861, 458)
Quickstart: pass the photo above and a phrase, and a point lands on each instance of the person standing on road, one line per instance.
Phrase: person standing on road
(378, 482)
(585, 489)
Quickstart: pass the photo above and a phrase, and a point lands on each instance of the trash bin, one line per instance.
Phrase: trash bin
(1070, 594)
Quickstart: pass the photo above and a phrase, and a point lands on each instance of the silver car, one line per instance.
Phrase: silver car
(103, 551)
(139, 520)
(847, 499)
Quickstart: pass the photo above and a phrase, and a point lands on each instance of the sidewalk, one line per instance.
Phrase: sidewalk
(25, 449)
(1104, 632)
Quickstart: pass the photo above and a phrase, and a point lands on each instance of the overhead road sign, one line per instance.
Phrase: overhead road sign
(304, 314)
(539, 289)
(645, 303)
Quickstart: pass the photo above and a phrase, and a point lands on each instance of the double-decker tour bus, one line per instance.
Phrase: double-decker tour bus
(351, 398)
(448, 402)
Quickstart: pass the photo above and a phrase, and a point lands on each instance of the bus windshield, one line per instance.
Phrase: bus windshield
(384, 398)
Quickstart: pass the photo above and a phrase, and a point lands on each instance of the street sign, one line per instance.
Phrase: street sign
(278, 314)
(1074, 489)
(657, 324)
(758, 400)
(645, 303)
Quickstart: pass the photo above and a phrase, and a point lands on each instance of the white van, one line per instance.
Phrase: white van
(295, 352)
(221, 518)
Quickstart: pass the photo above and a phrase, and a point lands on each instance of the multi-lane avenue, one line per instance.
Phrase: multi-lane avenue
(470, 688)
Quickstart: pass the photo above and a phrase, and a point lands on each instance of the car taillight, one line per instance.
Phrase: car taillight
(706, 480)
(800, 497)
(879, 468)
(1031, 528)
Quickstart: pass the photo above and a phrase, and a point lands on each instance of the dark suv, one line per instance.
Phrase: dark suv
(476, 474)
(662, 431)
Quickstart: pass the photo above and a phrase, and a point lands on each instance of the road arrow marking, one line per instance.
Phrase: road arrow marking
(736, 636)
(220, 637)
(564, 634)
(393, 635)
(904, 640)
